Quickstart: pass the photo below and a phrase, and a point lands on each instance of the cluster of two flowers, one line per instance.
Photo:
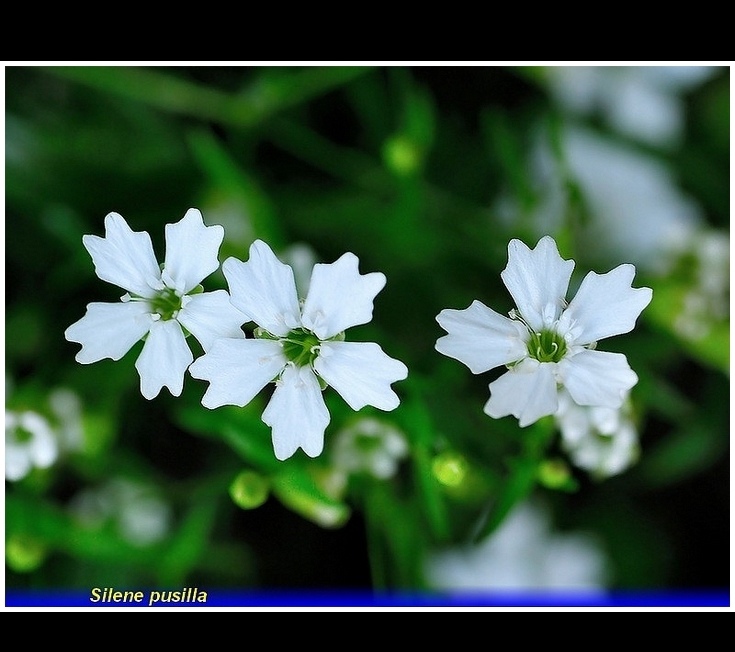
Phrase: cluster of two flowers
(300, 344)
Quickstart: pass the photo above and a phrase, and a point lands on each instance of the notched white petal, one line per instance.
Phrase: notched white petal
(109, 330)
(237, 369)
(481, 338)
(125, 257)
(573, 419)
(41, 450)
(17, 463)
(191, 251)
(163, 360)
(340, 297)
(210, 316)
(597, 378)
(605, 305)
(297, 413)
(538, 280)
(527, 391)
(264, 290)
(361, 373)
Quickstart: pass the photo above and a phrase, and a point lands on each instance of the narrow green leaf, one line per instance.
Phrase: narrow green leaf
(297, 488)
(274, 90)
(519, 485)
(682, 455)
(234, 182)
(189, 544)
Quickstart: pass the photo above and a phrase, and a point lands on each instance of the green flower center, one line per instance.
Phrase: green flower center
(547, 346)
(301, 347)
(368, 444)
(166, 303)
(21, 435)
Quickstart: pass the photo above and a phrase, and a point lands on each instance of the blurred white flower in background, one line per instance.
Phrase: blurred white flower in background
(634, 207)
(66, 406)
(369, 445)
(603, 441)
(523, 554)
(232, 215)
(30, 442)
(301, 258)
(136, 510)
(618, 202)
(40, 427)
(707, 300)
(643, 102)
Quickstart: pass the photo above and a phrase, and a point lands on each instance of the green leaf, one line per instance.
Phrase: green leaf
(682, 454)
(417, 422)
(298, 488)
(273, 90)
(240, 428)
(52, 527)
(396, 538)
(237, 186)
(189, 543)
(518, 486)
(504, 143)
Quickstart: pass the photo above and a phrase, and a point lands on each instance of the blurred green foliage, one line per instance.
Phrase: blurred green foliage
(413, 170)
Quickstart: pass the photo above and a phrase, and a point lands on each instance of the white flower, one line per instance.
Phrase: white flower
(161, 304)
(29, 443)
(524, 553)
(67, 408)
(706, 300)
(298, 345)
(140, 515)
(546, 342)
(643, 102)
(370, 445)
(632, 202)
(601, 440)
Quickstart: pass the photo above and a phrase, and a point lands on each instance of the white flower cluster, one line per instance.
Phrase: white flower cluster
(600, 440)
(370, 446)
(298, 344)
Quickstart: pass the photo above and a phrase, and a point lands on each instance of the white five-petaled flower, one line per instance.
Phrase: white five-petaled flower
(601, 440)
(370, 446)
(546, 343)
(29, 442)
(299, 345)
(161, 304)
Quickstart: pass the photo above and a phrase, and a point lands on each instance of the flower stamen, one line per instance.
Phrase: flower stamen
(547, 346)
(166, 303)
(301, 347)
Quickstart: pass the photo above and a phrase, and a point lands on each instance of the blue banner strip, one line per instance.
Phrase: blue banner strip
(201, 598)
